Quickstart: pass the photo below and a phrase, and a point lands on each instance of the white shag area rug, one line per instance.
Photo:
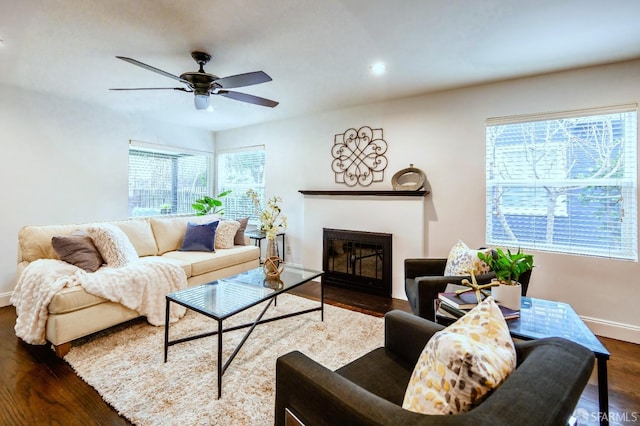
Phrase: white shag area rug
(126, 367)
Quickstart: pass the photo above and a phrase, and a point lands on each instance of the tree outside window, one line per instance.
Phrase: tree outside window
(566, 184)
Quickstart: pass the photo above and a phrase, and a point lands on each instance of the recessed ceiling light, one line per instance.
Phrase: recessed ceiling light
(378, 68)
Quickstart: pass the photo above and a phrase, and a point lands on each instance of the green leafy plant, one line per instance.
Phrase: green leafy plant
(208, 205)
(508, 266)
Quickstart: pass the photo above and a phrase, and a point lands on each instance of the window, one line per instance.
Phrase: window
(164, 180)
(564, 182)
(239, 170)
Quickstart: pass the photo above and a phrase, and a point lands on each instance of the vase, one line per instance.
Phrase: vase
(272, 250)
(273, 265)
(508, 295)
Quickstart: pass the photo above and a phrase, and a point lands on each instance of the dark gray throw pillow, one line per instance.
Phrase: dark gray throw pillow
(238, 240)
(78, 249)
(200, 237)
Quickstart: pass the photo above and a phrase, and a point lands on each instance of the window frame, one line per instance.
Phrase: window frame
(627, 184)
(258, 188)
(174, 153)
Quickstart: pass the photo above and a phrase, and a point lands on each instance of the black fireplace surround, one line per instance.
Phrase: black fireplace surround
(357, 260)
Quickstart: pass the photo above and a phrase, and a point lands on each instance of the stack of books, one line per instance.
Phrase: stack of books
(457, 305)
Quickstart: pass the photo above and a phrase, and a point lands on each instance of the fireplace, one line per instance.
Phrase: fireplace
(357, 260)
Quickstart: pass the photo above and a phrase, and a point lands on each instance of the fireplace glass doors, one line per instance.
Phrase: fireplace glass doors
(357, 260)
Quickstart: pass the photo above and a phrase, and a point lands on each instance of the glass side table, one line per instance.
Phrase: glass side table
(540, 318)
(258, 236)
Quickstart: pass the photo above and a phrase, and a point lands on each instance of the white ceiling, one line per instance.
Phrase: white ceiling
(318, 52)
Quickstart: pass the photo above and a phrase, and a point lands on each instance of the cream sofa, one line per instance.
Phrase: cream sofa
(74, 313)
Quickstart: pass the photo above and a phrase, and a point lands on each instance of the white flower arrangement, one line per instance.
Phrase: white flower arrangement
(271, 219)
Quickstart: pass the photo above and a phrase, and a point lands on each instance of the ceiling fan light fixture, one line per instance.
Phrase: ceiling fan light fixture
(201, 101)
(203, 84)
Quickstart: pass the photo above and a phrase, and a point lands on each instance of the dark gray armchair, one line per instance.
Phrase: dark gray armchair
(543, 390)
(424, 278)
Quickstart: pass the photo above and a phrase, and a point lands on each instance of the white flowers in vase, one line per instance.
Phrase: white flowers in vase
(272, 221)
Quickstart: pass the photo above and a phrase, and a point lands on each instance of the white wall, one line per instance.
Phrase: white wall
(443, 134)
(65, 162)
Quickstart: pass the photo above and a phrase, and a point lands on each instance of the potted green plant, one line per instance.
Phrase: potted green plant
(209, 205)
(508, 267)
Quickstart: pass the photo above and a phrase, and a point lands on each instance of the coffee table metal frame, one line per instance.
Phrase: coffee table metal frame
(201, 298)
(540, 318)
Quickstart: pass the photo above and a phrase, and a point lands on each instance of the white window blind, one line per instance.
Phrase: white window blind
(239, 170)
(166, 180)
(564, 182)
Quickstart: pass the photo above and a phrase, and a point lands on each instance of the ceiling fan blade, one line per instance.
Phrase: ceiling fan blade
(155, 88)
(154, 69)
(244, 97)
(241, 80)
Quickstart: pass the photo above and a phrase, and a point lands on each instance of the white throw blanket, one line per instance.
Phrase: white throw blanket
(141, 286)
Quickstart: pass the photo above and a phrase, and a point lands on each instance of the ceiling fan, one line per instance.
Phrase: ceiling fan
(203, 84)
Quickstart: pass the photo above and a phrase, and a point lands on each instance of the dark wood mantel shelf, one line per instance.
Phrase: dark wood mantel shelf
(369, 193)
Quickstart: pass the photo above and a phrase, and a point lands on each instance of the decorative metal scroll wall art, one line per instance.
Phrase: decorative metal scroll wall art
(358, 156)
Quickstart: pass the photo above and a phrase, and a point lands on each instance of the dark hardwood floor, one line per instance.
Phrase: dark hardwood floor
(36, 388)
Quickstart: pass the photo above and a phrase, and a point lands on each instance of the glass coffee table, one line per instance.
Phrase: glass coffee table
(224, 298)
(541, 318)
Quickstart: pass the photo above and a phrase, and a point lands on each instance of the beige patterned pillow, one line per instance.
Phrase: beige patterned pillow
(113, 244)
(226, 232)
(463, 363)
(462, 259)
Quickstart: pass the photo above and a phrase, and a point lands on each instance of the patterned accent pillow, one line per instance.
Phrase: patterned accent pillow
(226, 233)
(113, 244)
(462, 259)
(78, 249)
(463, 363)
(200, 237)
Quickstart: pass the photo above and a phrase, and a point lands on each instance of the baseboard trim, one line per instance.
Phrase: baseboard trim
(613, 330)
(5, 299)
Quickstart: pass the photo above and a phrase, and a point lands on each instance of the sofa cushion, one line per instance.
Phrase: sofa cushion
(113, 244)
(462, 259)
(140, 234)
(185, 265)
(226, 233)
(204, 262)
(462, 364)
(200, 237)
(71, 299)
(78, 249)
(169, 232)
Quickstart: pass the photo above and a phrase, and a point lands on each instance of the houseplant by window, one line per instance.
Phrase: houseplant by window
(208, 205)
(508, 267)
